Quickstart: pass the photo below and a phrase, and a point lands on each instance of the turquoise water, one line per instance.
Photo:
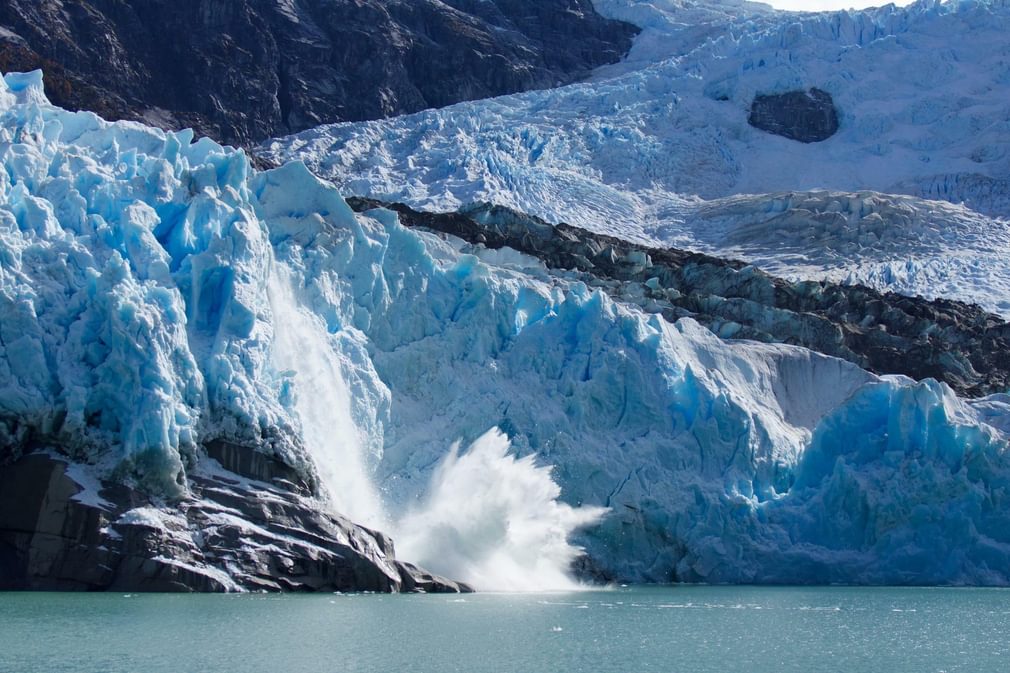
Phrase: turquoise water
(696, 629)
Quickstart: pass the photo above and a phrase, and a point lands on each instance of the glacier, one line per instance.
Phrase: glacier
(158, 294)
(658, 148)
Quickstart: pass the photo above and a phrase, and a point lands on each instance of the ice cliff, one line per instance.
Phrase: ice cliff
(159, 297)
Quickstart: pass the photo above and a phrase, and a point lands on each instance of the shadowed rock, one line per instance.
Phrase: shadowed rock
(806, 116)
(230, 533)
(244, 70)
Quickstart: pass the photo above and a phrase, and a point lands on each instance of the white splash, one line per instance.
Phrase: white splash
(489, 519)
(302, 353)
(494, 521)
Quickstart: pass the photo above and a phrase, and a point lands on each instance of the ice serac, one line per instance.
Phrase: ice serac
(137, 338)
(649, 148)
(142, 346)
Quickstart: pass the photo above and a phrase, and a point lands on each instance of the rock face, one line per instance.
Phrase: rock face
(230, 534)
(886, 333)
(806, 116)
(244, 70)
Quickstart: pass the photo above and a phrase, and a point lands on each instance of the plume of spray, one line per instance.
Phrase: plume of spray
(494, 521)
(322, 401)
(489, 519)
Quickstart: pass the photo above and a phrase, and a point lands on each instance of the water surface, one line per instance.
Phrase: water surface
(696, 629)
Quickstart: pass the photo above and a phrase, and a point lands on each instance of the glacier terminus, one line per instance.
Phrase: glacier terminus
(161, 297)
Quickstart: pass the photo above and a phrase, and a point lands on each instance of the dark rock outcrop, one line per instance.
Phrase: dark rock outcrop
(959, 344)
(806, 116)
(229, 534)
(244, 70)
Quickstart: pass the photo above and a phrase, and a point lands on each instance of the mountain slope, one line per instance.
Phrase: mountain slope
(659, 151)
(241, 71)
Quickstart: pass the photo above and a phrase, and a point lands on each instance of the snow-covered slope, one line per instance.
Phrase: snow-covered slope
(157, 294)
(673, 27)
(899, 243)
(923, 95)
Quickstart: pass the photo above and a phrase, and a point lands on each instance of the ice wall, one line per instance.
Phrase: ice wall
(139, 320)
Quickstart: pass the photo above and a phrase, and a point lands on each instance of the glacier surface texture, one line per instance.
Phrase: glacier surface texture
(911, 194)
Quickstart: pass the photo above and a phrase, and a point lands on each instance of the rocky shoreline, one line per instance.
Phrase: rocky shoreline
(231, 533)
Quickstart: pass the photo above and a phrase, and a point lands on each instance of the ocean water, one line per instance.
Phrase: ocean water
(696, 629)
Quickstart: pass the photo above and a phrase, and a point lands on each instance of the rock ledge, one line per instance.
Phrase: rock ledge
(61, 530)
